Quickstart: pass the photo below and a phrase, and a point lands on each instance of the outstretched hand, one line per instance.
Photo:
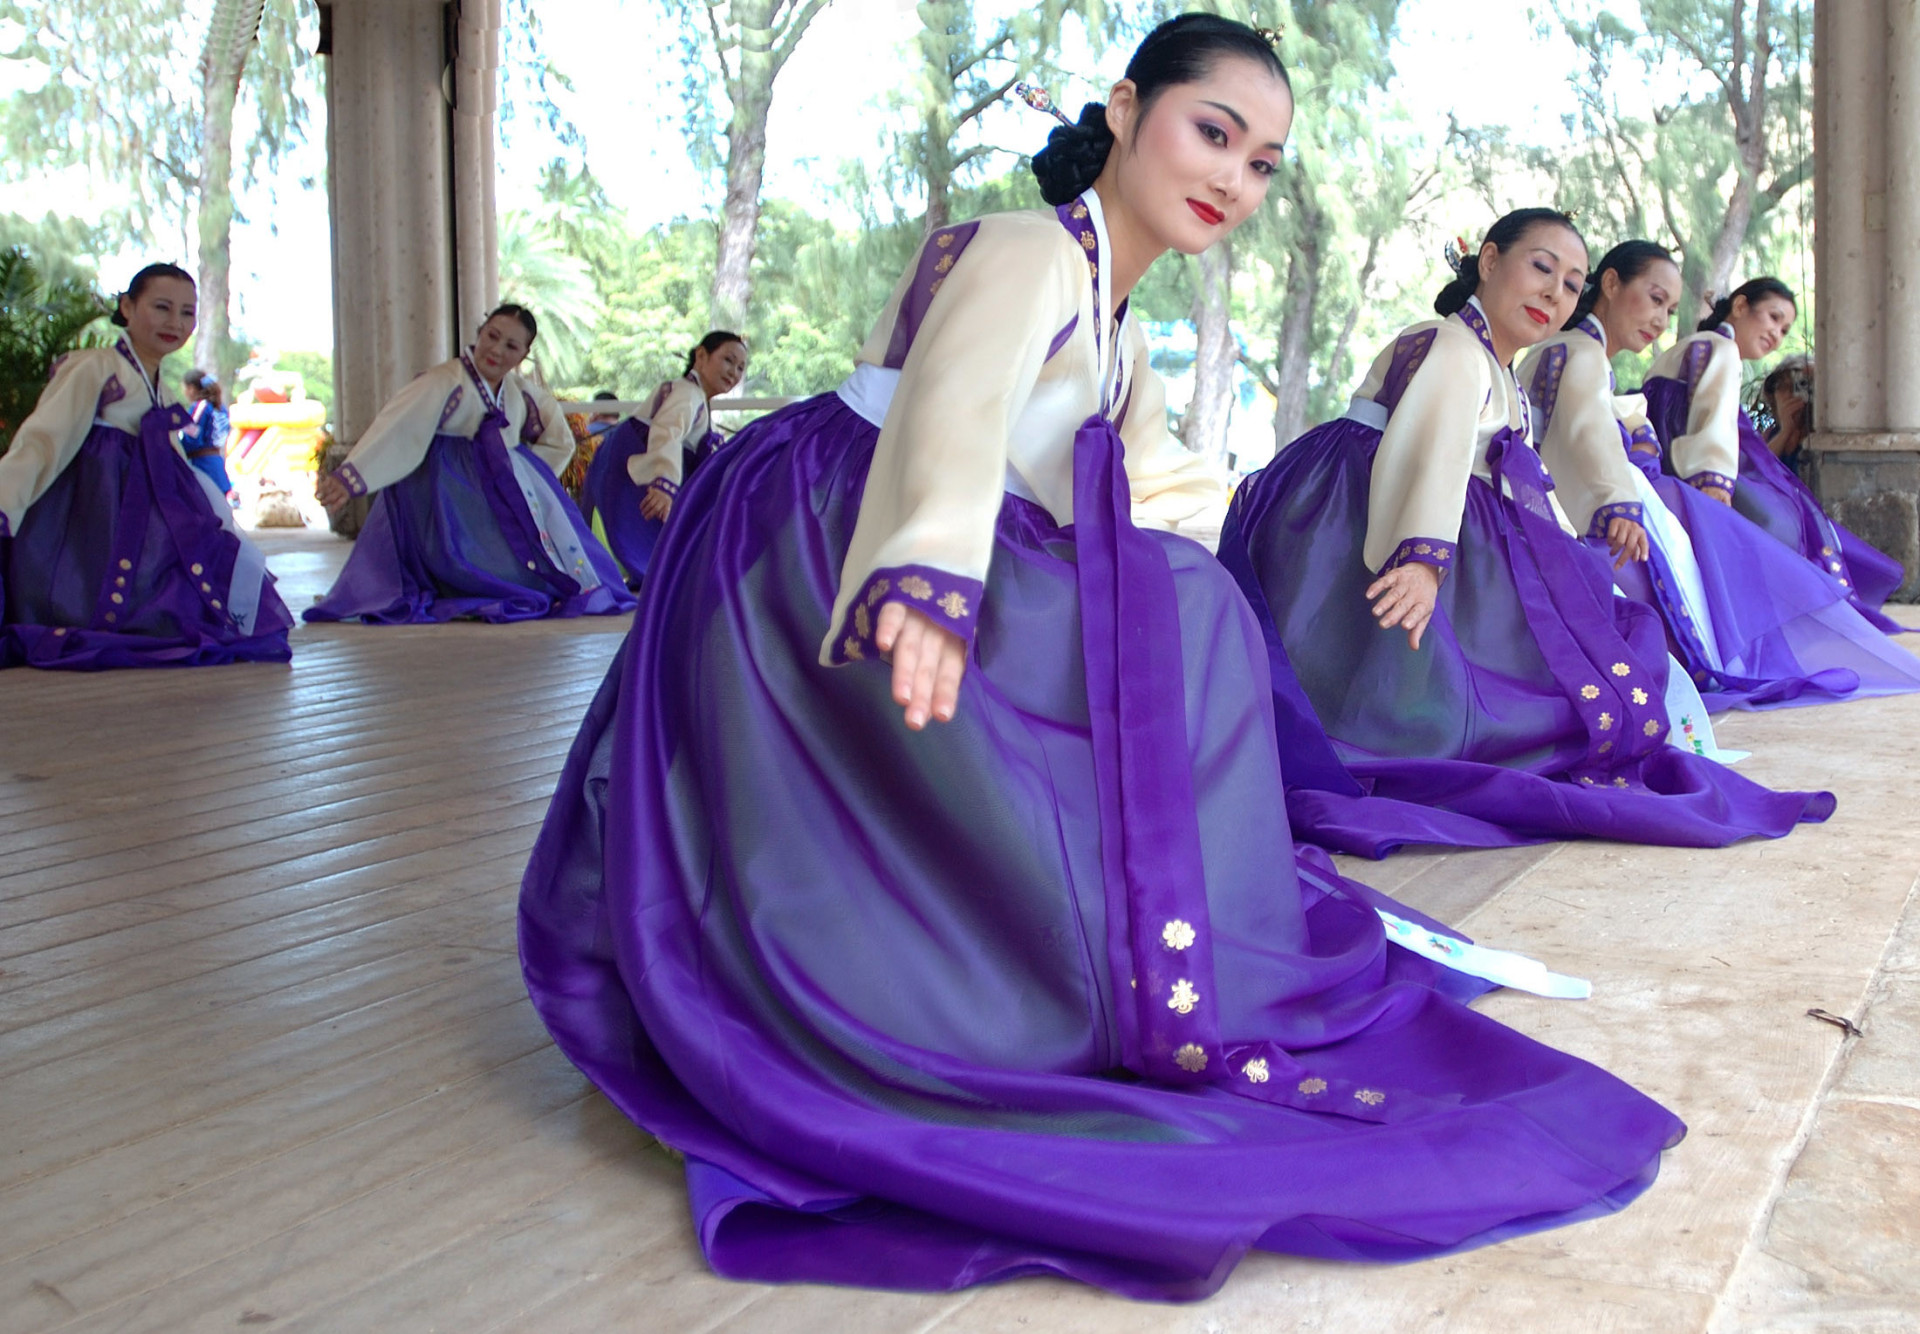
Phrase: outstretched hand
(1627, 541)
(655, 504)
(1405, 597)
(332, 493)
(928, 662)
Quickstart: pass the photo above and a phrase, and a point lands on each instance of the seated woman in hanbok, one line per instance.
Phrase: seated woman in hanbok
(1754, 624)
(1034, 983)
(464, 524)
(1463, 649)
(1693, 401)
(645, 460)
(114, 550)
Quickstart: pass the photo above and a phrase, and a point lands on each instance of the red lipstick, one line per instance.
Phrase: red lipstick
(1207, 213)
(1537, 316)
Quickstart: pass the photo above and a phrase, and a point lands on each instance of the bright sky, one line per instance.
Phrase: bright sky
(629, 108)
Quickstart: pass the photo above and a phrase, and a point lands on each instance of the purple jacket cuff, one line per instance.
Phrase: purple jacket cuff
(1631, 510)
(664, 487)
(951, 600)
(1642, 440)
(1422, 551)
(351, 479)
(1706, 479)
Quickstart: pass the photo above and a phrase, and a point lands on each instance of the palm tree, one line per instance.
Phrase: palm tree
(538, 271)
(39, 319)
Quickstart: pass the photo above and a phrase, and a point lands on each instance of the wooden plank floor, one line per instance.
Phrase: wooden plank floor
(266, 1061)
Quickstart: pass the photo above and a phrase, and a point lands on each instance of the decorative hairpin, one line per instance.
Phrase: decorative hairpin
(1040, 100)
(1271, 36)
(1455, 252)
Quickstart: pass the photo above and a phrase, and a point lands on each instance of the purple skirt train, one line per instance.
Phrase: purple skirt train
(1768, 493)
(865, 979)
(463, 535)
(613, 497)
(1784, 633)
(1533, 709)
(125, 562)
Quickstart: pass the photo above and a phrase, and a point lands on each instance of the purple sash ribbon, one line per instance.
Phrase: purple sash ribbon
(517, 522)
(1569, 603)
(1159, 946)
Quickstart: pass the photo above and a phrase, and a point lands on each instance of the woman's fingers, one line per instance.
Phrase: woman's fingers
(946, 681)
(892, 616)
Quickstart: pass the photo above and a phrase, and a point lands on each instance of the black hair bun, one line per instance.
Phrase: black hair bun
(1074, 156)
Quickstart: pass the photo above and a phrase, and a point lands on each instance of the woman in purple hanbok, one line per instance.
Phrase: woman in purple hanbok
(1693, 402)
(644, 461)
(114, 550)
(1034, 983)
(1754, 624)
(1522, 692)
(462, 523)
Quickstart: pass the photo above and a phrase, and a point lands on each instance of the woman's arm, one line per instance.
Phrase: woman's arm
(1582, 447)
(1171, 486)
(398, 440)
(553, 441)
(52, 434)
(1708, 455)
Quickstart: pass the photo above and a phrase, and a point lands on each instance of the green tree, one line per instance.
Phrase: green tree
(966, 67)
(40, 317)
(749, 42)
(538, 270)
(1708, 172)
(113, 99)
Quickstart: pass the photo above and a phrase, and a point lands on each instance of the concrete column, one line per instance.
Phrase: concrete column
(1866, 448)
(388, 182)
(476, 85)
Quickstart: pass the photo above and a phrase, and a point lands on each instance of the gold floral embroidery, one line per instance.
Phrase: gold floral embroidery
(862, 623)
(1087, 242)
(933, 288)
(1621, 669)
(1093, 267)
(1589, 692)
(880, 589)
(1191, 1059)
(1371, 1097)
(916, 588)
(946, 262)
(1619, 782)
(1424, 549)
(1588, 781)
(1177, 935)
(1312, 1086)
(1184, 997)
(1256, 1070)
(1442, 554)
(1606, 722)
(1651, 727)
(1078, 211)
(953, 605)
(1826, 551)
(852, 649)
(943, 240)
(1605, 746)
(1639, 695)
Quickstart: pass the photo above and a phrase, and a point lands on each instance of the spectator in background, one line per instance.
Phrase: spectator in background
(1786, 410)
(204, 438)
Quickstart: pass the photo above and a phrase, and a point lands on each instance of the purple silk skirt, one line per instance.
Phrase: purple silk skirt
(612, 495)
(125, 563)
(1786, 633)
(1480, 723)
(1768, 493)
(861, 976)
(456, 538)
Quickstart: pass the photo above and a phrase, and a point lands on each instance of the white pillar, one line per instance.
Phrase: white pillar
(388, 183)
(1865, 452)
(1901, 292)
(476, 84)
